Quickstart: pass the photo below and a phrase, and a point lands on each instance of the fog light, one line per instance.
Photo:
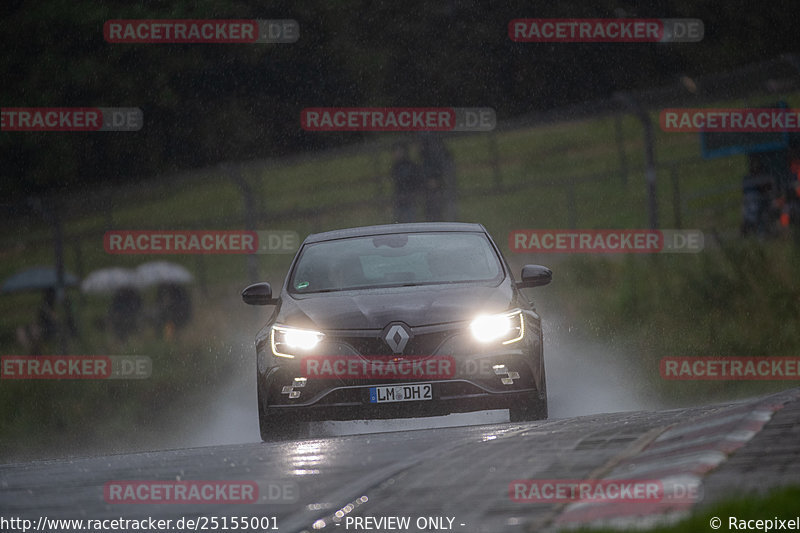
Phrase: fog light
(500, 369)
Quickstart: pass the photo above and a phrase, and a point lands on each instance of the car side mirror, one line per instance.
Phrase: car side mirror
(259, 294)
(535, 276)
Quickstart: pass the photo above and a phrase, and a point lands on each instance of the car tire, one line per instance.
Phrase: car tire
(278, 426)
(534, 407)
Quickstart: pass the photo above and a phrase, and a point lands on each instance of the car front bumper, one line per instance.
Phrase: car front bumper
(500, 377)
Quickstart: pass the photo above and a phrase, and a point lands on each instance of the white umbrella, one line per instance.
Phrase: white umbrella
(109, 280)
(157, 272)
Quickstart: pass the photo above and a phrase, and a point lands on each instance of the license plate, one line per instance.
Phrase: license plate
(400, 393)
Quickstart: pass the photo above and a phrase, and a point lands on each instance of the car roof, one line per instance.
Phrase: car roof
(384, 229)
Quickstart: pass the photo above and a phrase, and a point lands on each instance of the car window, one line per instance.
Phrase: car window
(398, 259)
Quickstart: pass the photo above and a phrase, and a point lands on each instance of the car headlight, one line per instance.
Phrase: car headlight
(286, 341)
(505, 327)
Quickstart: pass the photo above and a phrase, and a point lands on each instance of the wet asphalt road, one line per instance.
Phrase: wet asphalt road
(458, 473)
(456, 470)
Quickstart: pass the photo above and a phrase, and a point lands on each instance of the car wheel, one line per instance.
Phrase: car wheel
(532, 408)
(277, 426)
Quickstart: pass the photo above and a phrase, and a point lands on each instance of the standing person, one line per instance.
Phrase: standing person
(757, 194)
(450, 212)
(45, 330)
(439, 175)
(407, 181)
(47, 318)
(123, 313)
(174, 308)
(791, 216)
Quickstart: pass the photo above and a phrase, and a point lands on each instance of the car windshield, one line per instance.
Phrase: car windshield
(398, 259)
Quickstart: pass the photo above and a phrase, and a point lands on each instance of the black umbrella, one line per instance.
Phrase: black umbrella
(36, 278)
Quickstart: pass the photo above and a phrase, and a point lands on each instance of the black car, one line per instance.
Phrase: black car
(399, 320)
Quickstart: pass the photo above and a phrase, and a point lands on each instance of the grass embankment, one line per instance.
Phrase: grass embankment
(737, 299)
(733, 300)
(779, 504)
(49, 418)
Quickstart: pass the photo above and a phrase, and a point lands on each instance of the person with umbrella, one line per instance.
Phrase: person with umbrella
(126, 303)
(48, 324)
(124, 312)
(173, 301)
(174, 307)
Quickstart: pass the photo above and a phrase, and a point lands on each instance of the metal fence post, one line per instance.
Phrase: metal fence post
(649, 153)
(571, 208)
(494, 155)
(676, 195)
(620, 139)
(235, 175)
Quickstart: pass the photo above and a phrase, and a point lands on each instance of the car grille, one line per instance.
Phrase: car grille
(425, 341)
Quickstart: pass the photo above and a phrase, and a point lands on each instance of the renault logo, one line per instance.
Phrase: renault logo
(397, 336)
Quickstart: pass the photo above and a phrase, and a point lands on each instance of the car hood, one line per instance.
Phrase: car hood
(375, 308)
